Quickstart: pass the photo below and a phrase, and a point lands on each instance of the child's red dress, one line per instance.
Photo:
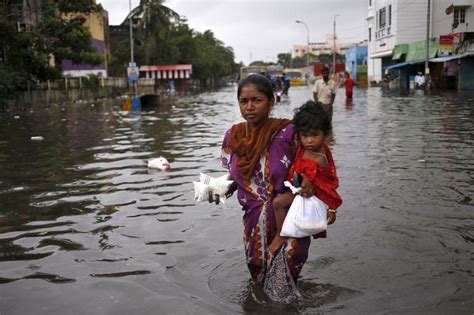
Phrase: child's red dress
(324, 178)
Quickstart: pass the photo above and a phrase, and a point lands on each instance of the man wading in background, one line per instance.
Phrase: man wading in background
(324, 91)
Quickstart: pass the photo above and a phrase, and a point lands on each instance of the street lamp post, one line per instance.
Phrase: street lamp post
(307, 40)
(130, 22)
(334, 48)
(132, 67)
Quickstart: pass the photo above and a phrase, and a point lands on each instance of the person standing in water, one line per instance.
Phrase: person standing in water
(324, 91)
(258, 153)
(348, 84)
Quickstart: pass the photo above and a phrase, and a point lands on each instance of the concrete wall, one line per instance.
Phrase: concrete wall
(410, 22)
(442, 23)
(97, 23)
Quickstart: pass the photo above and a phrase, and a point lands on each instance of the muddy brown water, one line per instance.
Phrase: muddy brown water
(87, 228)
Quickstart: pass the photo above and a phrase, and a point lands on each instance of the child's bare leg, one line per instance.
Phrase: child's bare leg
(280, 205)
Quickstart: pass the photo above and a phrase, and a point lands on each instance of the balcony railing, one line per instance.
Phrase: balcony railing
(383, 32)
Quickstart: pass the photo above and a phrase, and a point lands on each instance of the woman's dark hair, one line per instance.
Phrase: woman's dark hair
(262, 84)
(311, 115)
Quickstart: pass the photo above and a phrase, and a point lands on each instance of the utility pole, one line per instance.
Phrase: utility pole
(427, 56)
(334, 49)
(130, 22)
(132, 59)
(307, 41)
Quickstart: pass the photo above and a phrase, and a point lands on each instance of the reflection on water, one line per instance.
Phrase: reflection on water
(83, 220)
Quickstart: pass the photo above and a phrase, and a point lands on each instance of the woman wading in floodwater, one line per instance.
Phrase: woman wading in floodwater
(258, 153)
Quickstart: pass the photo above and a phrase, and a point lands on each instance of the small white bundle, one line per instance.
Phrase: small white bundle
(306, 216)
(218, 186)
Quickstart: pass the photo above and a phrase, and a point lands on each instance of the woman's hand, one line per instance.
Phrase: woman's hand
(331, 216)
(215, 198)
(231, 190)
(307, 188)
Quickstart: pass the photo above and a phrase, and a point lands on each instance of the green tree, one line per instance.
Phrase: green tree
(156, 20)
(26, 54)
(165, 38)
(67, 38)
(213, 60)
(284, 59)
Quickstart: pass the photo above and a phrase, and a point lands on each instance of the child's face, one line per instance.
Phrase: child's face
(312, 139)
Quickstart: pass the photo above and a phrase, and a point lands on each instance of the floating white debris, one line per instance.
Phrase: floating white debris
(160, 163)
(16, 116)
(37, 138)
(422, 161)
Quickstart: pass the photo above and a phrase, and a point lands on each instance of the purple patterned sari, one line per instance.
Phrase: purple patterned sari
(256, 197)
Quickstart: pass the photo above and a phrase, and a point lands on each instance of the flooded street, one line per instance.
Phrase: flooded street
(86, 227)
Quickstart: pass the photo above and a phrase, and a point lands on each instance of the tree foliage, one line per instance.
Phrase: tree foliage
(26, 53)
(163, 37)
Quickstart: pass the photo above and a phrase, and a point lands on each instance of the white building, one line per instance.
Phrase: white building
(393, 22)
(319, 48)
(460, 20)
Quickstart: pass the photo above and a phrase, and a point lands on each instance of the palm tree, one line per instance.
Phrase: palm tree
(156, 20)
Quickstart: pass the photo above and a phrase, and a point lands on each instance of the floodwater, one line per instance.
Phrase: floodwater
(87, 228)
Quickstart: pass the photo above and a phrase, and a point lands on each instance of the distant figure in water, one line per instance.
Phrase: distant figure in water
(170, 87)
(258, 153)
(324, 91)
(348, 84)
(419, 81)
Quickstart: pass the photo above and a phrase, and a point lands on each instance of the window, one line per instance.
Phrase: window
(459, 15)
(370, 34)
(382, 18)
(390, 15)
(370, 3)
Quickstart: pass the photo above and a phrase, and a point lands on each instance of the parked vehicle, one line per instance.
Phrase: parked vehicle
(272, 70)
(296, 76)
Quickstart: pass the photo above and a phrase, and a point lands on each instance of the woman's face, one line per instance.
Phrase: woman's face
(254, 105)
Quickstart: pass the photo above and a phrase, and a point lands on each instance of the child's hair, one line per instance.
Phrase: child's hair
(261, 83)
(311, 115)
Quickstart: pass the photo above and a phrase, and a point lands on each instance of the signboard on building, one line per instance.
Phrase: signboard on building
(445, 45)
(133, 73)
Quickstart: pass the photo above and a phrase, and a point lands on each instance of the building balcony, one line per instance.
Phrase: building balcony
(383, 32)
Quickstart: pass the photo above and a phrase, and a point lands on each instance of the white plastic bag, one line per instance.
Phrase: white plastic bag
(218, 186)
(307, 216)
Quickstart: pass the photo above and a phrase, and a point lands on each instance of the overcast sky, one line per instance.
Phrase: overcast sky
(261, 29)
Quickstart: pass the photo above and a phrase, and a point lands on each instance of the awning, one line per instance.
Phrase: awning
(182, 71)
(381, 54)
(417, 50)
(405, 63)
(452, 57)
(399, 50)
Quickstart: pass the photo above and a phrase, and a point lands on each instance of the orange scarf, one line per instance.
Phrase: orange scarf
(250, 145)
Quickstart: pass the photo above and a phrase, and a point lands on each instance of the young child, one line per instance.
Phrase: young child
(313, 161)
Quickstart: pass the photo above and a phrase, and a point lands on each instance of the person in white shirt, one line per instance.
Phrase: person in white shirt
(324, 91)
(419, 81)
